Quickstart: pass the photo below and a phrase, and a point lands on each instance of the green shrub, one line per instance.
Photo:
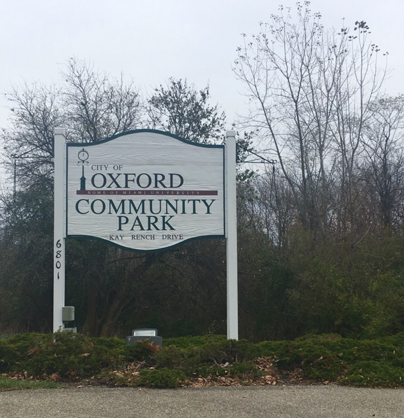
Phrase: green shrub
(198, 358)
(377, 362)
(142, 351)
(69, 354)
(228, 351)
(66, 354)
(178, 358)
(164, 378)
(374, 374)
(208, 370)
(14, 351)
(245, 370)
(199, 341)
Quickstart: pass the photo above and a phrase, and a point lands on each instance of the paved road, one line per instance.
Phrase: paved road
(268, 402)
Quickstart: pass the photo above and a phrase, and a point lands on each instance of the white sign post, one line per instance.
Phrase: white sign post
(145, 191)
(59, 236)
(231, 237)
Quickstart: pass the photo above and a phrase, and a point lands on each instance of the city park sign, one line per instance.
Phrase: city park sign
(145, 190)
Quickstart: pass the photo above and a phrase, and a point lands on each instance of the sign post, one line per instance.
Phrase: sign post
(59, 228)
(231, 237)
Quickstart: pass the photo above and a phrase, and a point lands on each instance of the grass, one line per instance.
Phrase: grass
(7, 383)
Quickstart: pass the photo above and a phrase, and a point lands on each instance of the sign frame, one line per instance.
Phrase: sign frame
(230, 224)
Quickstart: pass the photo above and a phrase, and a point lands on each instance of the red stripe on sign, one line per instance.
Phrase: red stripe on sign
(149, 192)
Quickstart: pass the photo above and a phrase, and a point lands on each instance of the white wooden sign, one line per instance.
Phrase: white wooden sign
(145, 190)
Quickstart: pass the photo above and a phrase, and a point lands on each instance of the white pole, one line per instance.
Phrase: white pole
(59, 228)
(231, 236)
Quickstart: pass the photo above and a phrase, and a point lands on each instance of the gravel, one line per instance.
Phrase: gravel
(280, 402)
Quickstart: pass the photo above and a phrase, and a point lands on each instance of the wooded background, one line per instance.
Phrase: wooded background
(320, 229)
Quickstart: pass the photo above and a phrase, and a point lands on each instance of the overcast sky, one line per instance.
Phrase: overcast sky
(152, 40)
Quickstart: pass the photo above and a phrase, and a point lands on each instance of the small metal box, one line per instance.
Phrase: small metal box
(68, 313)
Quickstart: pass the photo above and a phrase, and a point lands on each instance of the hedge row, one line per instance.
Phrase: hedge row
(72, 357)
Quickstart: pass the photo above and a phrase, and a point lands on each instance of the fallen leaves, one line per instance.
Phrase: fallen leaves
(266, 375)
(54, 377)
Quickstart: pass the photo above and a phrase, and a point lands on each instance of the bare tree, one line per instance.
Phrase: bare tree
(383, 159)
(91, 105)
(29, 142)
(309, 91)
(96, 107)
